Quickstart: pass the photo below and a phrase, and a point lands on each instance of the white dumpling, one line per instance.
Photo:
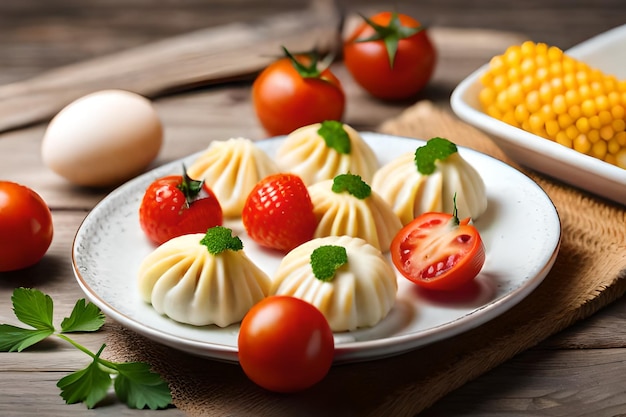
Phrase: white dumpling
(411, 193)
(370, 218)
(184, 281)
(304, 152)
(361, 294)
(231, 168)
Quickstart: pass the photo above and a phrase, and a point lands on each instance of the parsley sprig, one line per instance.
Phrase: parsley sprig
(335, 136)
(326, 260)
(436, 149)
(134, 383)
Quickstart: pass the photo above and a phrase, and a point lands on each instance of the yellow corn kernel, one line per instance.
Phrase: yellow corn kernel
(582, 144)
(599, 149)
(544, 91)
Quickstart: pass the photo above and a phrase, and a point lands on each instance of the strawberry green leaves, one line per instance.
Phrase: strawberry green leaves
(134, 383)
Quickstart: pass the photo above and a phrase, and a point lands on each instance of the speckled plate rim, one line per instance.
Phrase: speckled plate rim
(529, 205)
(574, 168)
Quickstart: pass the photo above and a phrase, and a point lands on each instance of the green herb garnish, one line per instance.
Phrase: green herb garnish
(219, 238)
(335, 136)
(134, 383)
(435, 149)
(353, 184)
(326, 260)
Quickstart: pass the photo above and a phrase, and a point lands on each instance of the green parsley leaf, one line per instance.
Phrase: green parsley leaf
(435, 149)
(335, 136)
(89, 385)
(219, 238)
(84, 318)
(135, 384)
(326, 260)
(14, 338)
(33, 307)
(352, 184)
(139, 387)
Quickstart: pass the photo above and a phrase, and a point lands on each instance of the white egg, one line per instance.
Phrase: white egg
(103, 138)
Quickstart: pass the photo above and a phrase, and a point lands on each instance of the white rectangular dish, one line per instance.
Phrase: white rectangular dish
(606, 52)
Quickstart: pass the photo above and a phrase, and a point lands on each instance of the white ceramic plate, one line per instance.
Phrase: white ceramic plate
(606, 52)
(521, 232)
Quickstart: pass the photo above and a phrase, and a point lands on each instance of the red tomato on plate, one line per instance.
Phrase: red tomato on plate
(292, 92)
(25, 227)
(177, 205)
(388, 57)
(438, 252)
(285, 344)
(278, 212)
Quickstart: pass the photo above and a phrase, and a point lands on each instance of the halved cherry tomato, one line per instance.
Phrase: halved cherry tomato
(371, 57)
(285, 344)
(25, 226)
(439, 252)
(293, 92)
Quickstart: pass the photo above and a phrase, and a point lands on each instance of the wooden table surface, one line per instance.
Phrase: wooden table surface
(575, 373)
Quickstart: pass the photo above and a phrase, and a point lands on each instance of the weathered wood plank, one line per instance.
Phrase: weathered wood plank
(33, 394)
(545, 383)
(203, 57)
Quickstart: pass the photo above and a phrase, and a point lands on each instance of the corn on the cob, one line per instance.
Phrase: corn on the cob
(544, 91)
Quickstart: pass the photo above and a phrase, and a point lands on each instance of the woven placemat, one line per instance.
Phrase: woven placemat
(589, 273)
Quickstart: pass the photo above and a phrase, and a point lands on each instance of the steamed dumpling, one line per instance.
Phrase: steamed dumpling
(231, 168)
(187, 283)
(340, 212)
(323, 150)
(361, 293)
(411, 193)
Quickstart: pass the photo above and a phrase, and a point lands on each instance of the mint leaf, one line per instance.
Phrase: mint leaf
(326, 260)
(16, 339)
(139, 387)
(84, 318)
(335, 136)
(352, 184)
(33, 307)
(89, 385)
(434, 150)
(219, 238)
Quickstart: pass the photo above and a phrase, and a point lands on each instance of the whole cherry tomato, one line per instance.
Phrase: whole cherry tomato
(438, 252)
(390, 55)
(293, 92)
(278, 212)
(177, 205)
(25, 227)
(285, 344)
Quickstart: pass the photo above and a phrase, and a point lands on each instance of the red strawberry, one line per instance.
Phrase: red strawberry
(177, 205)
(278, 212)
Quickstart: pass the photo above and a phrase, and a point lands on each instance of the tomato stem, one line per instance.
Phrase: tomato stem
(190, 187)
(390, 34)
(313, 70)
(455, 215)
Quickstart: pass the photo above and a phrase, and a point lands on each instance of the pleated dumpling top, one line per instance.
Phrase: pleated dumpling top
(321, 151)
(411, 192)
(360, 292)
(185, 281)
(231, 168)
(346, 205)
